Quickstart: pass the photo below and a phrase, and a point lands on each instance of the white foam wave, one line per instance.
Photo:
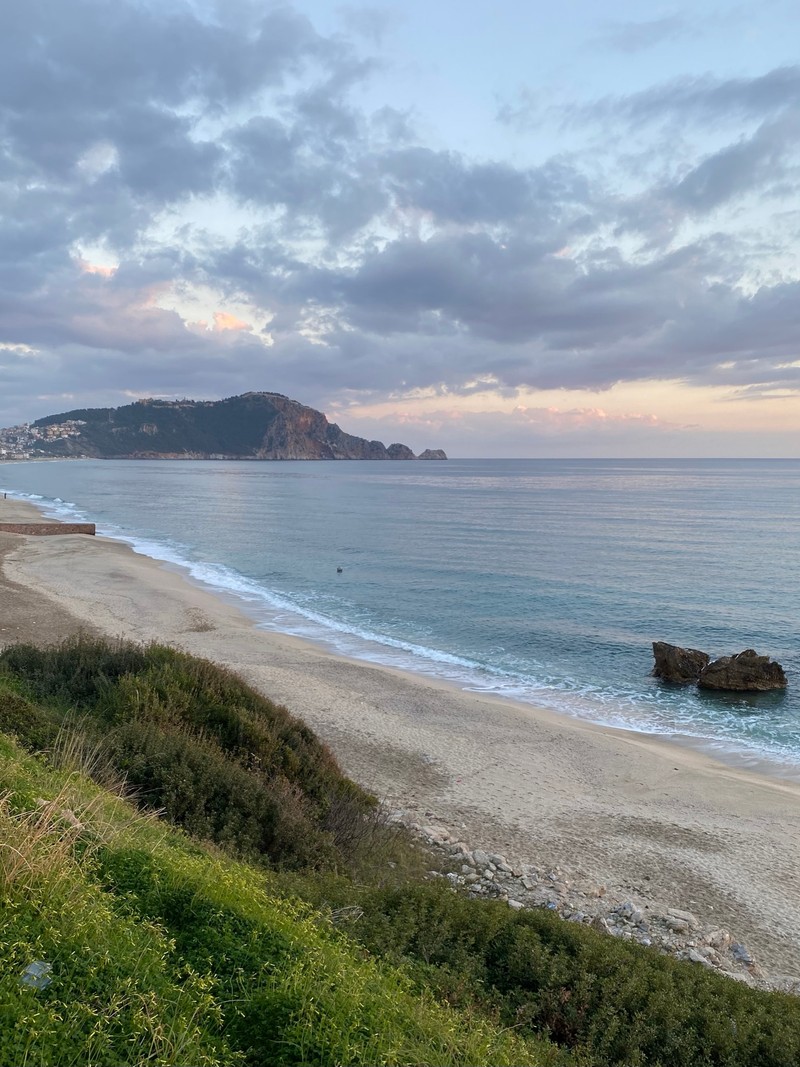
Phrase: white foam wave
(605, 705)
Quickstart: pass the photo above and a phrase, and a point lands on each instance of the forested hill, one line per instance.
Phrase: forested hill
(251, 426)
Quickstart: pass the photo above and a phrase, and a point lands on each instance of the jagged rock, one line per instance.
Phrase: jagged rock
(745, 672)
(678, 665)
(432, 453)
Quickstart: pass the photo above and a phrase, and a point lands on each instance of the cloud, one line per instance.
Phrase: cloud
(154, 150)
(700, 99)
(223, 320)
(632, 37)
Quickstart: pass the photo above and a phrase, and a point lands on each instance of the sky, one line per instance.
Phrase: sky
(510, 229)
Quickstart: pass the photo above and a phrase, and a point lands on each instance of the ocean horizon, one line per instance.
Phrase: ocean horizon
(542, 581)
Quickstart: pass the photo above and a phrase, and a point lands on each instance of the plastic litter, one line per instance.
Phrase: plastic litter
(37, 975)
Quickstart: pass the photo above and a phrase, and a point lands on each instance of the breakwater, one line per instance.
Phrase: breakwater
(47, 529)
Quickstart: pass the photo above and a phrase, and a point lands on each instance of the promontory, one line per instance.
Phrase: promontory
(251, 426)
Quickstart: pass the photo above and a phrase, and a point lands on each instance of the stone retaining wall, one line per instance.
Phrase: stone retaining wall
(47, 529)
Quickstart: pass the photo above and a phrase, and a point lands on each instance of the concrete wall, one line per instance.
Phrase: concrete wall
(47, 529)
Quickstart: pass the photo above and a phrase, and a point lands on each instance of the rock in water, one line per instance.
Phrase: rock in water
(432, 453)
(678, 665)
(746, 672)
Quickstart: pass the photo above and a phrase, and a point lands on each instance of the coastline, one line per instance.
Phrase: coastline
(650, 820)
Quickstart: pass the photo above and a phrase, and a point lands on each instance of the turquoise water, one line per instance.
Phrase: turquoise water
(545, 581)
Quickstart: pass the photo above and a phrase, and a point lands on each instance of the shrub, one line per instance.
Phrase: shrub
(616, 1001)
(193, 740)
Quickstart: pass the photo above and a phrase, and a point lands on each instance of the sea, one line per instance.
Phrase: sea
(542, 581)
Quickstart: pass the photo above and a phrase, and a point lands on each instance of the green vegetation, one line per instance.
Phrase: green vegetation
(282, 922)
(254, 425)
(236, 426)
(193, 741)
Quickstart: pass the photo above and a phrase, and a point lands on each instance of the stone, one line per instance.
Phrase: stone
(746, 672)
(678, 926)
(480, 858)
(697, 957)
(432, 453)
(719, 939)
(678, 665)
(528, 883)
(517, 905)
(684, 916)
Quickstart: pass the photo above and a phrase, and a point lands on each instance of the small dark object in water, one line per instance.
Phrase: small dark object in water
(338, 570)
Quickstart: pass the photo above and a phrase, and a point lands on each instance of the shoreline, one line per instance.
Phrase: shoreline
(734, 754)
(650, 820)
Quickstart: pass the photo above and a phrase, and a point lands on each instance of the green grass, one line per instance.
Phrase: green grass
(164, 954)
(282, 923)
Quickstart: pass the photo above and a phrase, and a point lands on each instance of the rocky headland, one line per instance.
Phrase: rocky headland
(254, 426)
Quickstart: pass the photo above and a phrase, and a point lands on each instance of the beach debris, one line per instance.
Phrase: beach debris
(740, 953)
(746, 672)
(678, 665)
(37, 975)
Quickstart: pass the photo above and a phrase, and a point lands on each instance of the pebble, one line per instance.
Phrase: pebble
(671, 930)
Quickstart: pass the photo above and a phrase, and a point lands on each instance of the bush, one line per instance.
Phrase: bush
(616, 1001)
(194, 741)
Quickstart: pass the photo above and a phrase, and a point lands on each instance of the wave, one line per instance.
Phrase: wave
(607, 705)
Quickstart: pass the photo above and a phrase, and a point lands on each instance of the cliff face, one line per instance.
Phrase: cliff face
(251, 426)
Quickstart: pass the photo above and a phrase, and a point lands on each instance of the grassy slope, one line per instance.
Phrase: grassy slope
(166, 954)
(208, 960)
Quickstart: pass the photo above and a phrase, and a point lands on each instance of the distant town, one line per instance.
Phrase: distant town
(23, 442)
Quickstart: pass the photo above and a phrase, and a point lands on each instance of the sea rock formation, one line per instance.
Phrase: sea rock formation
(432, 453)
(400, 452)
(678, 665)
(746, 672)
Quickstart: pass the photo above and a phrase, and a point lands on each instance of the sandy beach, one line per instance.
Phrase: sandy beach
(651, 821)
